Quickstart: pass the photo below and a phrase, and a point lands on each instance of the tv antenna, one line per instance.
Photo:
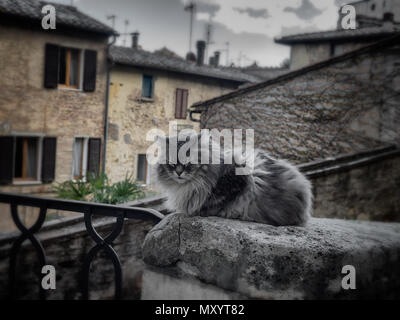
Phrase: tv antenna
(191, 7)
(112, 18)
(209, 30)
(126, 24)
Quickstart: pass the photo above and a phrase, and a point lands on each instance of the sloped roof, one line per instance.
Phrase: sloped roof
(360, 33)
(67, 16)
(394, 40)
(141, 58)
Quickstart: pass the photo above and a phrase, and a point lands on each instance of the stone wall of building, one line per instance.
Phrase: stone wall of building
(131, 116)
(357, 187)
(346, 105)
(27, 107)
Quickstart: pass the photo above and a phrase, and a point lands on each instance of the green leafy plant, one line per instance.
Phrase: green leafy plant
(99, 189)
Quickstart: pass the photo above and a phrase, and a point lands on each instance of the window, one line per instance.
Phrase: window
(143, 172)
(86, 157)
(27, 158)
(147, 86)
(69, 68)
(181, 102)
(80, 155)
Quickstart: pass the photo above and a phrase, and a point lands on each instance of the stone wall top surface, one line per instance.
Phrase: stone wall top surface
(267, 262)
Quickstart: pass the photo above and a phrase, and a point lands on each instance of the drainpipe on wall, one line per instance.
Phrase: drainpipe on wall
(108, 71)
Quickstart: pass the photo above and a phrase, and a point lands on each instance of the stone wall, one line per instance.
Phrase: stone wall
(363, 186)
(347, 104)
(131, 117)
(216, 258)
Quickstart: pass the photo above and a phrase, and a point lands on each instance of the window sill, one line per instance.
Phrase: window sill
(27, 183)
(70, 89)
(144, 99)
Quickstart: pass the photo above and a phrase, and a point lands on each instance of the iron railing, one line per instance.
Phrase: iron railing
(89, 210)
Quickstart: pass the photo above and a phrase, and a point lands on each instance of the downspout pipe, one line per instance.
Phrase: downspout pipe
(109, 66)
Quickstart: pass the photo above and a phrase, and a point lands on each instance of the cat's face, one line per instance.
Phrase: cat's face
(174, 171)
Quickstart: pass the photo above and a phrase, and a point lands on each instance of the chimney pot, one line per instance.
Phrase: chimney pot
(135, 39)
(201, 46)
(216, 58)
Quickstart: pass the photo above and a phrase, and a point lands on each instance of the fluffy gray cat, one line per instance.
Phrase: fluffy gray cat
(274, 192)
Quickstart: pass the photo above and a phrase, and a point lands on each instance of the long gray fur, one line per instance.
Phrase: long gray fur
(275, 192)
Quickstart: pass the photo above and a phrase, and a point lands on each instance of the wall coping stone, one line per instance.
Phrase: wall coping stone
(266, 262)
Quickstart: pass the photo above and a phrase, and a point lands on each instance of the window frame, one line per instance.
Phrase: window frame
(39, 157)
(181, 115)
(146, 75)
(67, 69)
(147, 174)
(84, 158)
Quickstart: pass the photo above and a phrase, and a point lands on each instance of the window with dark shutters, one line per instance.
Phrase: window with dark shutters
(181, 101)
(89, 74)
(51, 66)
(49, 159)
(6, 159)
(93, 164)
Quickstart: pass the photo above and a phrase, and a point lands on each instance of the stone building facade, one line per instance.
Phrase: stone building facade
(375, 20)
(132, 112)
(53, 93)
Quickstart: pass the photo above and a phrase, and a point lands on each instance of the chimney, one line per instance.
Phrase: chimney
(135, 39)
(191, 57)
(388, 19)
(211, 61)
(201, 46)
(216, 58)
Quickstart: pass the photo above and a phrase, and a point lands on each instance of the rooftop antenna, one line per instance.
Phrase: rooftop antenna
(191, 7)
(112, 18)
(126, 24)
(209, 29)
(227, 52)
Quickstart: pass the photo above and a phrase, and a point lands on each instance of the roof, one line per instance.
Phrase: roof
(67, 16)
(141, 58)
(394, 40)
(359, 34)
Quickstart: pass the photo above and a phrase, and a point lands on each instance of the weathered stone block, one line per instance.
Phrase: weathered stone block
(262, 261)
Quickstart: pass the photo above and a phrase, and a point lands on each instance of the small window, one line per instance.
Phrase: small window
(69, 68)
(26, 159)
(142, 169)
(373, 7)
(86, 157)
(147, 86)
(181, 102)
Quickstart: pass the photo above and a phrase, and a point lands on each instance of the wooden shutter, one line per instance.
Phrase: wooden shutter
(178, 103)
(181, 101)
(6, 159)
(49, 159)
(51, 66)
(184, 103)
(89, 73)
(93, 164)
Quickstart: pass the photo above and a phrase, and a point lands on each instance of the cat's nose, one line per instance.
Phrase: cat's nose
(179, 169)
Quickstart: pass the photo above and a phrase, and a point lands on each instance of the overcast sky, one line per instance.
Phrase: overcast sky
(248, 25)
